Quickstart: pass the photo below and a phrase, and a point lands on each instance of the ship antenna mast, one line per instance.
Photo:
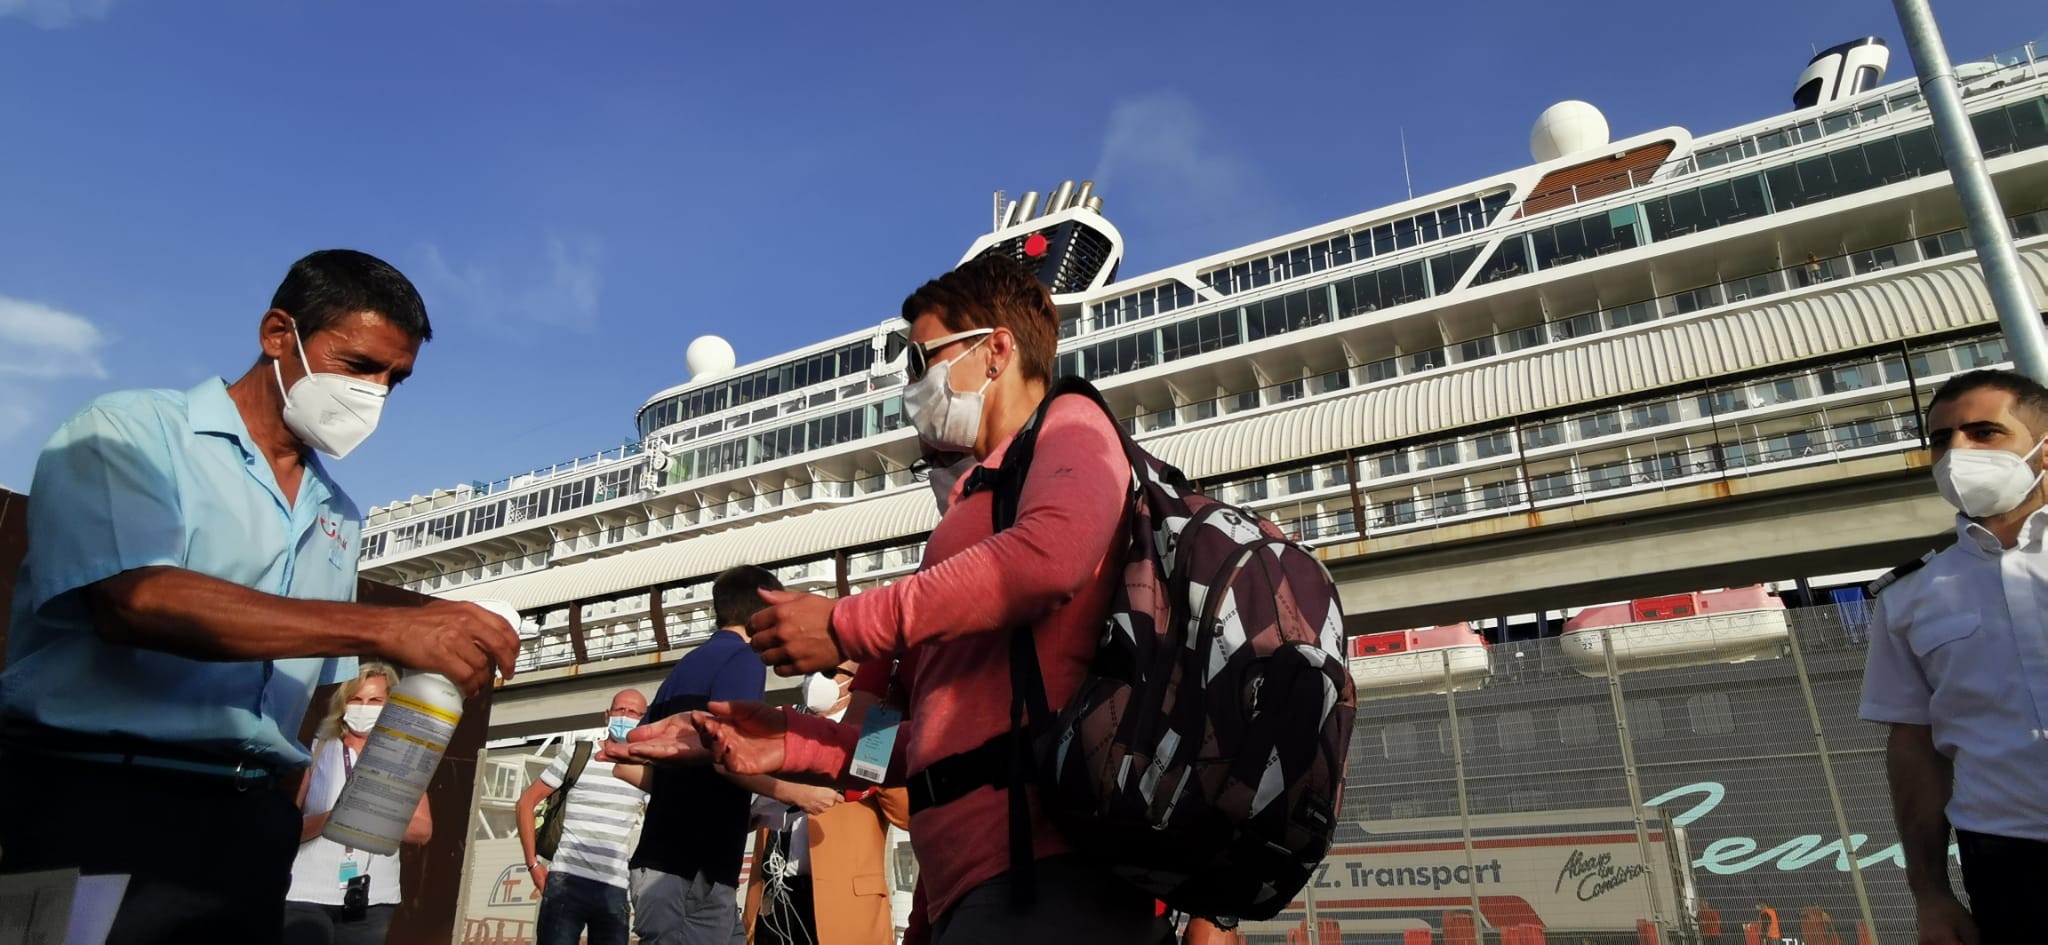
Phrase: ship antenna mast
(1410, 181)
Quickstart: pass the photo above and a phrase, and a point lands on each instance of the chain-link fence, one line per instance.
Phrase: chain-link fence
(1540, 798)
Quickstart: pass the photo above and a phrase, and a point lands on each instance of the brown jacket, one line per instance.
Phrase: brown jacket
(849, 890)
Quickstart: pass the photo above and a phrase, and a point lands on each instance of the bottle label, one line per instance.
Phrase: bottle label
(397, 763)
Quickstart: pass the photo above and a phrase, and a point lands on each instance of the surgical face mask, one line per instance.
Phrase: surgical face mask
(1984, 483)
(332, 413)
(619, 725)
(360, 717)
(946, 420)
(820, 693)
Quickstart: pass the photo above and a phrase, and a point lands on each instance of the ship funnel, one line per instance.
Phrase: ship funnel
(1841, 72)
(1011, 211)
(1094, 203)
(1082, 196)
(1027, 206)
(1058, 201)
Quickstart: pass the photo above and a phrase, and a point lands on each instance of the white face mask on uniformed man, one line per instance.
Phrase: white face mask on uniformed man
(332, 413)
(1984, 483)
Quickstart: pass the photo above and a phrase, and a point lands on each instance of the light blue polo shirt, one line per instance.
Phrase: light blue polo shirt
(157, 477)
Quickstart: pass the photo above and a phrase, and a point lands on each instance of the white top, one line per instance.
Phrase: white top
(597, 820)
(316, 873)
(1961, 645)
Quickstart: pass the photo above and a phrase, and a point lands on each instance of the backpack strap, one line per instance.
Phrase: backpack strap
(1030, 711)
(577, 761)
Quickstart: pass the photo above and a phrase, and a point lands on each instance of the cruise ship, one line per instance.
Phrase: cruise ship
(1621, 325)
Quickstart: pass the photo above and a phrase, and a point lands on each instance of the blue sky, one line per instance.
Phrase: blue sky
(581, 188)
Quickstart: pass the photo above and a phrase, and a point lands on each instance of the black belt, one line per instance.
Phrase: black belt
(956, 776)
(243, 774)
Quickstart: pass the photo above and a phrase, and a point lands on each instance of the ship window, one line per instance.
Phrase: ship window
(1549, 434)
(1608, 476)
(2030, 123)
(1994, 132)
(1500, 495)
(1578, 725)
(1517, 729)
(1393, 464)
(1645, 720)
(1851, 169)
(1448, 504)
(1710, 714)
(1397, 741)
(1466, 736)
(1302, 481)
(1491, 445)
(1396, 512)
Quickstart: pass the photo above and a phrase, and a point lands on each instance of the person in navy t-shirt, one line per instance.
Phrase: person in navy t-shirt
(687, 867)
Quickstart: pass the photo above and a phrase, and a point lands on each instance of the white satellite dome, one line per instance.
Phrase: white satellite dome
(709, 357)
(1567, 128)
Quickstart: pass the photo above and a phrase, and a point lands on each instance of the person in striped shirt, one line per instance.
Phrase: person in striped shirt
(584, 885)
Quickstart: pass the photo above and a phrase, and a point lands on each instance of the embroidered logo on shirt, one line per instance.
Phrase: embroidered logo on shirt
(332, 529)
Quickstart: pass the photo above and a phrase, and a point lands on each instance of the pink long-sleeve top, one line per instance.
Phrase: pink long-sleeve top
(1054, 570)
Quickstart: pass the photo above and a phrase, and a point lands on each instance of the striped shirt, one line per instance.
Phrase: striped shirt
(598, 821)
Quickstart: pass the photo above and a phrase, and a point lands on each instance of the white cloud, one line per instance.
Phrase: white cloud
(1160, 157)
(55, 14)
(42, 343)
(563, 292)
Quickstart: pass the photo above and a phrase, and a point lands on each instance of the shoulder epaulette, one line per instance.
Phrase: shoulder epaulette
(1894, 575)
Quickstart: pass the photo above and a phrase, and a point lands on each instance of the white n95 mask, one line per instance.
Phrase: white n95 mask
(332, 413)
(820, 693)
(1983, 483)
(946, 420)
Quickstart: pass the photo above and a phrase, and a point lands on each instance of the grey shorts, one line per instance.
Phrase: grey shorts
(679, 910)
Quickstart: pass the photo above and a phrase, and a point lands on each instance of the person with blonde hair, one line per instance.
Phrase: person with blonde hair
(341, 895)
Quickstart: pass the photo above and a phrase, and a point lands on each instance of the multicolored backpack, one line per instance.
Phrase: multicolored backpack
(1203, 757)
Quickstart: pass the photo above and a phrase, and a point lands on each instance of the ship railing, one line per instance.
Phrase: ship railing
(1747, 289)
(1983, 74)
(1689, 445)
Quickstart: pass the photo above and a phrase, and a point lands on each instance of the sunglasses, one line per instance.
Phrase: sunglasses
(920, 355)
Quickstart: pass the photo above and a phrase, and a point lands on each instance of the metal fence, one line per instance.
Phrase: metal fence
(1544, 799)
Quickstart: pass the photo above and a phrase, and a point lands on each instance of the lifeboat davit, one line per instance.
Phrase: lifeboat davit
(1411, 662)
(1704, 627)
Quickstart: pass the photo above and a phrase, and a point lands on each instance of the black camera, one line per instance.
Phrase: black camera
(355, 900)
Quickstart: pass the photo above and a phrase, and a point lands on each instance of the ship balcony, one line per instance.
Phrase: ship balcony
(1828, 414)
(626, 626)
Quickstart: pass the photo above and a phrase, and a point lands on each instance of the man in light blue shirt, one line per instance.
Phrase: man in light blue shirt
(1958, 668)
(189, 581)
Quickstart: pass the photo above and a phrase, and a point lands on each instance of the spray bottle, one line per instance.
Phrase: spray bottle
(398, 761)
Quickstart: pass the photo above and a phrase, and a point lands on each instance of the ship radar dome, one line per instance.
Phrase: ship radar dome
(1567, 128)
(708, 357)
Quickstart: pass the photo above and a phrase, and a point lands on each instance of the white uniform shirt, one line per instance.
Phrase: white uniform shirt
(316, 872)
(1961, 645)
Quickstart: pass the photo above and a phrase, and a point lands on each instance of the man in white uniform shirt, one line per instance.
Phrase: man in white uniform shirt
(584, 885)
(1959, 670)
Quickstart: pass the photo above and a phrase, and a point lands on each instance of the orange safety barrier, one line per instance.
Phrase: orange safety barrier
(1418, 937)
(1522, 935)
(1646, 932)
(1459, 929)
(1863, 936)
(1752, 933)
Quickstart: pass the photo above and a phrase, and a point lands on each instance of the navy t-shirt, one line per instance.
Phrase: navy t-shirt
(697, 819)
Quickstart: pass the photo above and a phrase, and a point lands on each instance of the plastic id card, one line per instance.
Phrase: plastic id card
(350, 869)
(877, 743)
